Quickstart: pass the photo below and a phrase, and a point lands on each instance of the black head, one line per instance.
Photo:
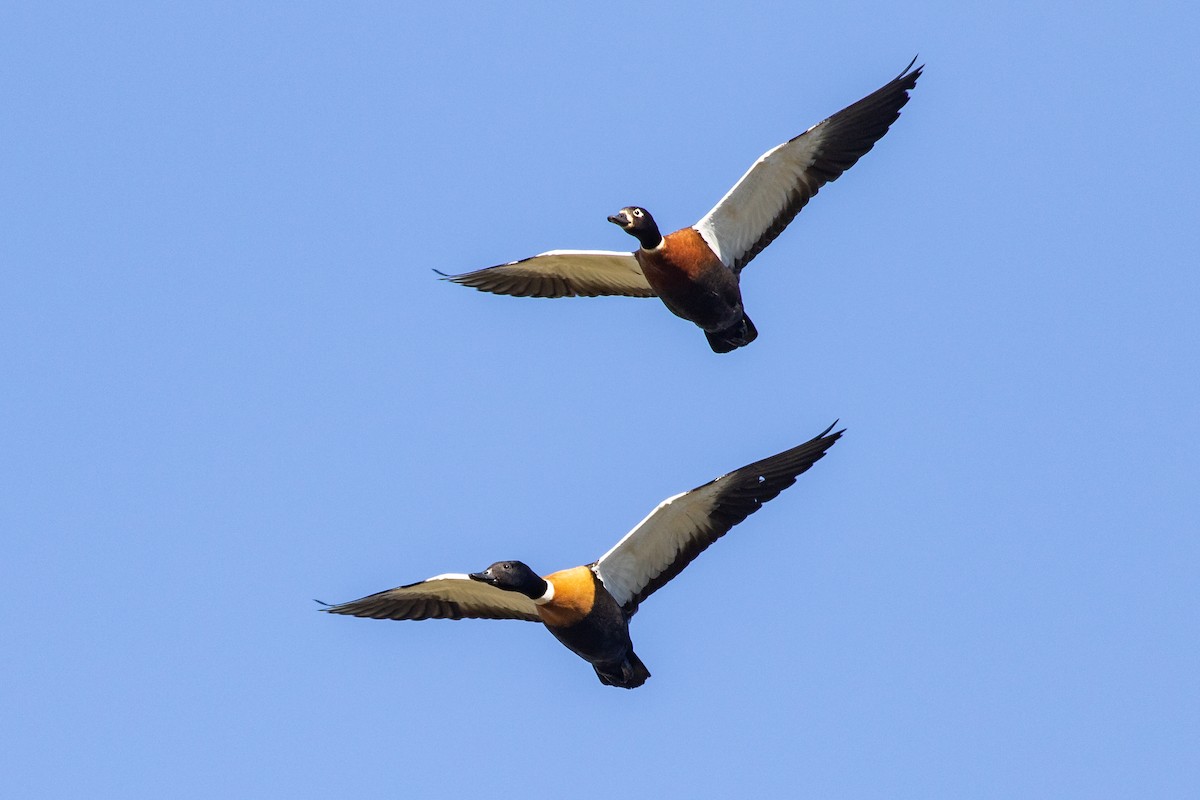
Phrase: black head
(512, 576)
(638, 223)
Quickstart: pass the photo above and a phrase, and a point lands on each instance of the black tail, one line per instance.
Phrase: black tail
(629, 674)
(739, 334)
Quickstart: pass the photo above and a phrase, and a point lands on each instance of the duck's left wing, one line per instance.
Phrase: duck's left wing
(683, 526)
(784, 179)
(562, 273)
(449, 596)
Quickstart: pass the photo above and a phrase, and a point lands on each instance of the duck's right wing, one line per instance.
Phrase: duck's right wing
(449, 596)
(683, 526)
(785, 178)
(562, 273)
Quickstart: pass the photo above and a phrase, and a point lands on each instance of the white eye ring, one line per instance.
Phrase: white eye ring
(637, 212)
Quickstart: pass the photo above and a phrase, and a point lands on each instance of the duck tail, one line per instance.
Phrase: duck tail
(739, 334)
(629, 674)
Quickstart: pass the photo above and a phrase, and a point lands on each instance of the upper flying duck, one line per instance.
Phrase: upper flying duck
(588, 608)
(695, 271)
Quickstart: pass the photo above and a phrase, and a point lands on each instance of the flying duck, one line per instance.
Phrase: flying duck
(695, 271)
(588, 608)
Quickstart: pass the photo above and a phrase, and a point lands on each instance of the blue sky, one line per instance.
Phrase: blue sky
(234, 385)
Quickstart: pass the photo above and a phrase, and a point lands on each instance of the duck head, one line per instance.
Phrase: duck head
(638, 223)
(512, 576)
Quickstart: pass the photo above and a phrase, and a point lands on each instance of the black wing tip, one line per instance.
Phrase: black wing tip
(471, 280)
(825, 433)
(909, 69)
(339, 608)
(459, 279)
(815, 448)
(819, 445)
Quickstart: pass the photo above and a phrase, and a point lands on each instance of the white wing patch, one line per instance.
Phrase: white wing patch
(448, 576)
(654, 543)
(743, 215)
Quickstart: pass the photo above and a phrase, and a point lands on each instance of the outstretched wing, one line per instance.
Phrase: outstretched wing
(784, 179)
(562, 273)
(450, 596)
(683, 526)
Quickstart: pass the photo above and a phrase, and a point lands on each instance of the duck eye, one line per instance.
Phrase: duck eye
(637, 212)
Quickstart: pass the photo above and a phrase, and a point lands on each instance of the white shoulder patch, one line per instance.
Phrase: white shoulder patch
(705, 229)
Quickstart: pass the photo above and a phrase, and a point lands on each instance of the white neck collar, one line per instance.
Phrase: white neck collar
(547, 597)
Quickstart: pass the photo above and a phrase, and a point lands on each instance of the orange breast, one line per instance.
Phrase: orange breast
(574, 595)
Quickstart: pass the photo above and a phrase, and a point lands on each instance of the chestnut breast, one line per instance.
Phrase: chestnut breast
(682, 258)
(691, 281)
